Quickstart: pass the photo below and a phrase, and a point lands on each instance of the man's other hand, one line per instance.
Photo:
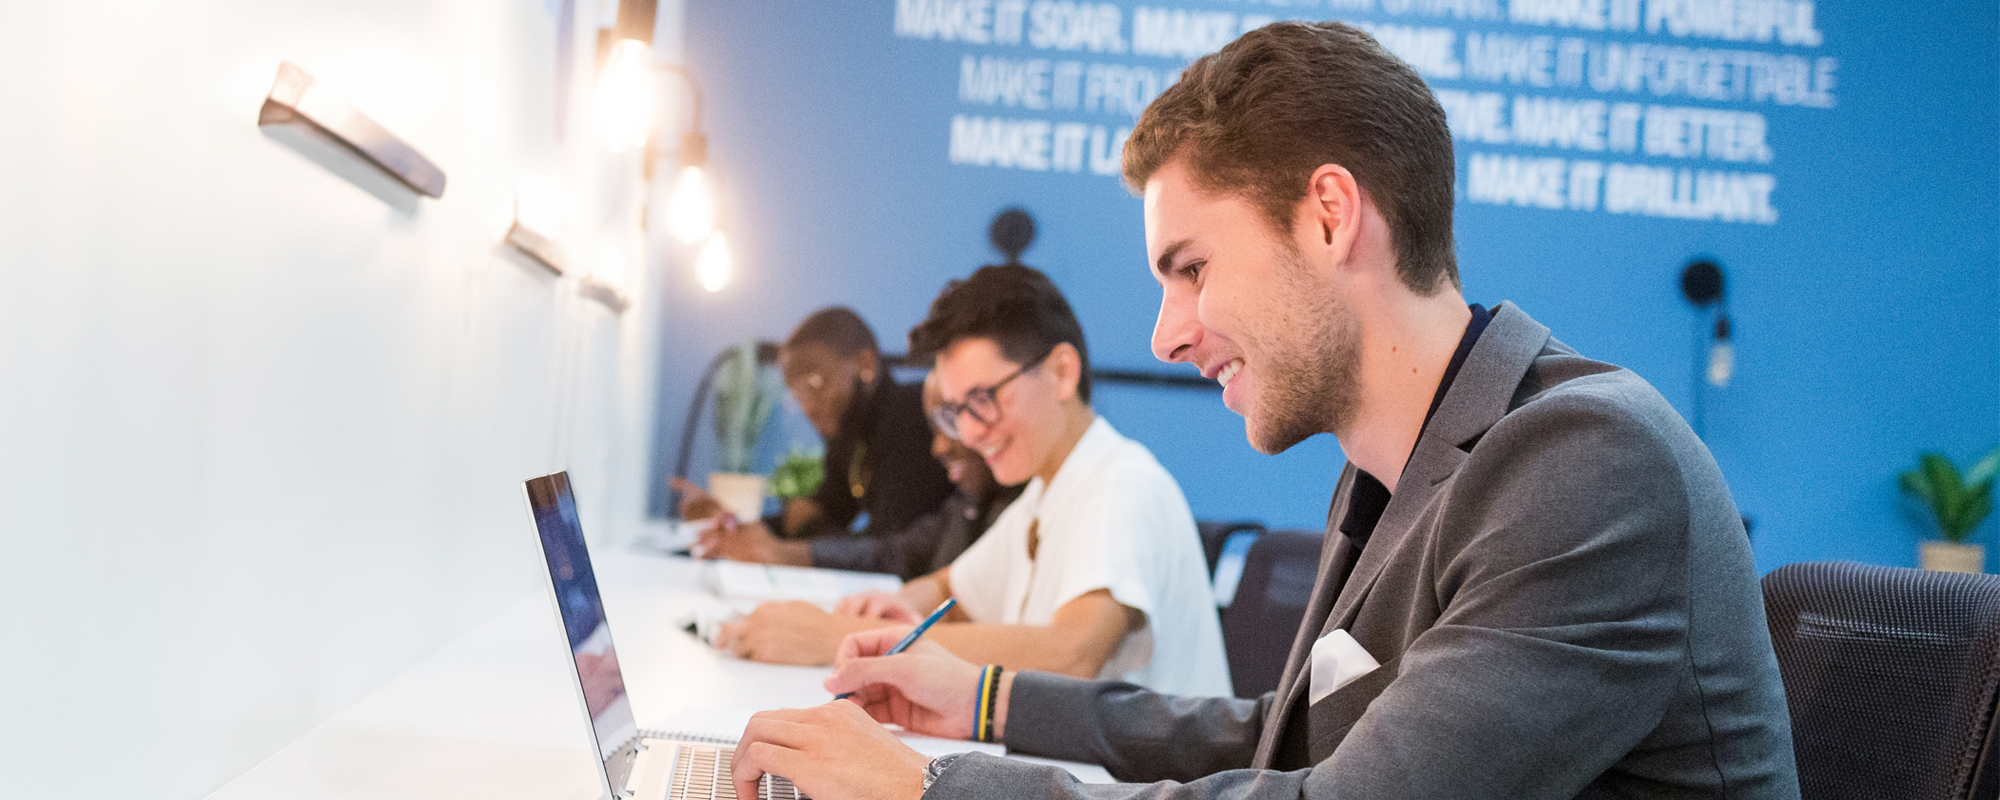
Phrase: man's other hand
(832, 752)
(925, 689)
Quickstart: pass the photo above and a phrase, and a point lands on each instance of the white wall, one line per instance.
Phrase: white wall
(262, 435)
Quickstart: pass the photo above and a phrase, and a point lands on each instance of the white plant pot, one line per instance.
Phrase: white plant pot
(1949, 557)
(740, 494)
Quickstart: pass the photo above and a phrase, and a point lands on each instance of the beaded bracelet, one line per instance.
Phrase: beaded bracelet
(989, 691)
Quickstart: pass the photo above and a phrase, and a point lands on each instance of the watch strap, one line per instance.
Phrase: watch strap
(936, 768)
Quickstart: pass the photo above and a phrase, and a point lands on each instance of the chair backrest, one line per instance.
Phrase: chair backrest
(1258, 626)
(1891, 675)
(1214, 534)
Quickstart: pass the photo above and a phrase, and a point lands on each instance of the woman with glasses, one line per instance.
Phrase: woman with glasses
(1096, 570)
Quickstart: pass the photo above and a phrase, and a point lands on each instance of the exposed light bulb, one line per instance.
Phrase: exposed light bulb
(624, 106)
(712, 266)
(691, 212)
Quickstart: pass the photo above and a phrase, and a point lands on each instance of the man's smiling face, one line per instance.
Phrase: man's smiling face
(1243, 305)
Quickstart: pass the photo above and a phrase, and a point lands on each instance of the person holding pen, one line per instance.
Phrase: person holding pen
(1535, 584)
(911, 637)
(879, 479)
(1096, 570)
(798, 632)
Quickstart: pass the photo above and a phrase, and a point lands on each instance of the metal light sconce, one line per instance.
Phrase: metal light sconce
(691, 212)
(298, 102)
(624, 105)
(538, 248)
(623, 108)
(625, 114)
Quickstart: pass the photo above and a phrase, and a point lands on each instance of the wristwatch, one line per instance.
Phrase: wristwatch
(936, 768)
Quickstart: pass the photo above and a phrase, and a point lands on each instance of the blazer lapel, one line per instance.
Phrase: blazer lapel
(1479, 396)
(1333, 560)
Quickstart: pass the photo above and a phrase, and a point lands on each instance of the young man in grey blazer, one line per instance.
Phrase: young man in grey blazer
(1536, 585)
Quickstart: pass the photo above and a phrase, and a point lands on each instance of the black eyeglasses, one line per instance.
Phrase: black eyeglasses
(981, 403)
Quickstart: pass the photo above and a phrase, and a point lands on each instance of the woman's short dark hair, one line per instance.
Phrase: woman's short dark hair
(1257, 117)
(839, 329)
(1016, 306)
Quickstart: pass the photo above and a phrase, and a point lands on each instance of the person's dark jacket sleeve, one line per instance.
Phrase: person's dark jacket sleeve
(905, 553)
(905, 486)
(905, 481)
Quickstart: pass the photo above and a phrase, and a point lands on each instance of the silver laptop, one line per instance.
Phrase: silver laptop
(634, 764)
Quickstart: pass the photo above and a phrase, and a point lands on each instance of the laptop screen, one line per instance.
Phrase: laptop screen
(582, 611)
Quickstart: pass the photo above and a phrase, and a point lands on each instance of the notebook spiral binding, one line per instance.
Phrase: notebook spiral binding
(656, 733)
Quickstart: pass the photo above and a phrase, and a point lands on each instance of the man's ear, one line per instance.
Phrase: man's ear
(1330, 214)
(1065, 364)
(868, 364)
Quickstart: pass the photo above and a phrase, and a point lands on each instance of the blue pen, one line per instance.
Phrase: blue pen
(912, 638)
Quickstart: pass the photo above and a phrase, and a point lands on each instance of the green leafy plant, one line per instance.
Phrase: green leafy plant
(1959, 503)
(800, 474)
(745, 396)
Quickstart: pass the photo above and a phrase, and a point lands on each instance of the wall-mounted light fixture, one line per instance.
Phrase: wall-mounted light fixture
(297, 101)
(610, 296)
(625, 114)
(538, 248)
(623, 108)
(691, 212)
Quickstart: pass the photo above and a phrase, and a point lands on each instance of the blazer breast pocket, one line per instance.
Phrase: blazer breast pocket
(1329, 720)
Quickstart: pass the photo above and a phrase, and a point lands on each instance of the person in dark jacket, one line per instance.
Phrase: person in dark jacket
(880, 476)
(797, 632)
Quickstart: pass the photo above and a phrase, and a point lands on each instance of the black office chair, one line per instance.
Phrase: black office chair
(1270, 601)
(1891, 675)
(1215, 534)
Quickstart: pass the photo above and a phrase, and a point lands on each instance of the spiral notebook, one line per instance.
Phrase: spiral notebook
(635, 763)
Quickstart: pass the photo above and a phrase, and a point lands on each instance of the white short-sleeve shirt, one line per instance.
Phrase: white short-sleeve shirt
(1111, 519)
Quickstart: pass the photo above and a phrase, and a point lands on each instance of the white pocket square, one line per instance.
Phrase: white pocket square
(1336, 661)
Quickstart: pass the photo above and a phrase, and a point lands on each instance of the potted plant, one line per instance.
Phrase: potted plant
(800, 474)
(745, 395)
(1958, 504)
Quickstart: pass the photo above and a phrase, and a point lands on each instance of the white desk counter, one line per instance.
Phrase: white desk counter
(494, 713)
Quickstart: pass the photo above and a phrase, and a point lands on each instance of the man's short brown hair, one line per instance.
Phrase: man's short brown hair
(1258, 116)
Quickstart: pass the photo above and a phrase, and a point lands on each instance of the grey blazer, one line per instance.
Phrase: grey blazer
(1560, 594)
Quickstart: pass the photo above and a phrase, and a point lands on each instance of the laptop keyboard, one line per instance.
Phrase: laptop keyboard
(701, 772)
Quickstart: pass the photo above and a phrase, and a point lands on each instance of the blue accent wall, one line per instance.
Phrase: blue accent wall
(1864, 315)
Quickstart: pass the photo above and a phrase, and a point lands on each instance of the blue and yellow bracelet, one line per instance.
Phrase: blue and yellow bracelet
(989, 692)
